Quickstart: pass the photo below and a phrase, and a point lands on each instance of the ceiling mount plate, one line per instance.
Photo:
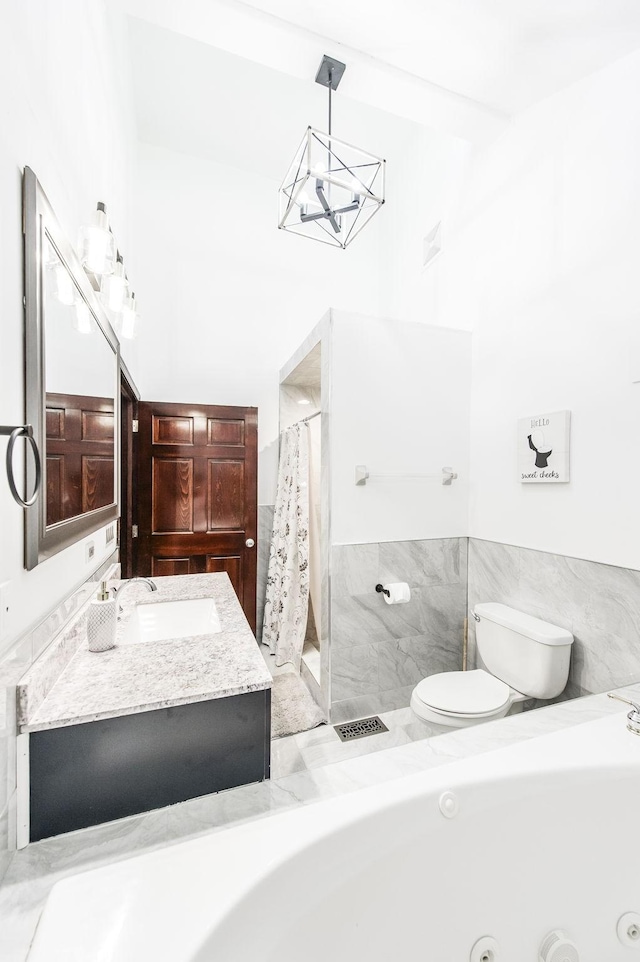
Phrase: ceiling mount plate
(330, 72)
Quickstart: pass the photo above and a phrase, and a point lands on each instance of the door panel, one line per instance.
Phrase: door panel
(162, 567)
(172, 430)
(232, 564)
(226, 432)
(55, 489)
(225, 502)
(198, 493)
(97, 482)
(172, 495)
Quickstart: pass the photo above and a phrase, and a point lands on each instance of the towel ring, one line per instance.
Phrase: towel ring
(22, 431)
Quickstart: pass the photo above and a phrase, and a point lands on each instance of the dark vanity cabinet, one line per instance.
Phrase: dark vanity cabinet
(85, 774)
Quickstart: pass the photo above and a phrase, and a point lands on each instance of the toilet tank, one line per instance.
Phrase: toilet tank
(528, 654)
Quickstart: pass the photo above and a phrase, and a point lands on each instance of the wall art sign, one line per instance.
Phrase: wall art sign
(543, 448)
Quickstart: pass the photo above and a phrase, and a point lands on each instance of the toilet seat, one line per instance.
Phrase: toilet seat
(465, 695)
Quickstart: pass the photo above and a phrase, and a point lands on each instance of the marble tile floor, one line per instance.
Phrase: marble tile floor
(35, 869)
(322, 746)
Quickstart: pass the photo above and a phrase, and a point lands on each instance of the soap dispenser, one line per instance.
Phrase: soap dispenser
(102, 621)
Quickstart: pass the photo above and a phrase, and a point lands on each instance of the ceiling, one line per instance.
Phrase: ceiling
(196, 99)
(464, 66)
(504, 54)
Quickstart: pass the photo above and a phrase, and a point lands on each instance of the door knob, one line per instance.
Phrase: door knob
(250, 542)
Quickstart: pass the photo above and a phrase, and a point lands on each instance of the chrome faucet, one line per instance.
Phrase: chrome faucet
(117, 591)
(633, 718)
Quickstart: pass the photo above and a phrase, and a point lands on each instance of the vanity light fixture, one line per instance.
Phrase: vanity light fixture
(114, 288)
(96, 243)
(104, 266)
(304, 400)
(128, 326)
(332, 189)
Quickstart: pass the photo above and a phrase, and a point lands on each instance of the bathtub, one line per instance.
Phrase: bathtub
(507, 846)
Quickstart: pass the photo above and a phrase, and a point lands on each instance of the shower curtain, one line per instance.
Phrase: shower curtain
(287, 599)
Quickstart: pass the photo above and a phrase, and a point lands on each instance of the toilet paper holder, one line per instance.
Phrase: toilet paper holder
(382, 590)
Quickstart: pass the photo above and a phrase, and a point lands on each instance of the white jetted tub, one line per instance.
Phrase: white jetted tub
(506, 847)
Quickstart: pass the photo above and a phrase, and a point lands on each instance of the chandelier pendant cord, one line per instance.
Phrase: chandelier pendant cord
(329, 150)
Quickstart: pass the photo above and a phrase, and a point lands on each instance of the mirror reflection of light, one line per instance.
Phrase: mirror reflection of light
(65, 287)
(83, 321)
(129, 318)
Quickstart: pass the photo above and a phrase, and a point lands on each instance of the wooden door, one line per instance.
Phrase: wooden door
(197, 493)
(79, 455)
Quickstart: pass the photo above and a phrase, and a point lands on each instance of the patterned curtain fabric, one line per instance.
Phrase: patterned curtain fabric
(287, 599)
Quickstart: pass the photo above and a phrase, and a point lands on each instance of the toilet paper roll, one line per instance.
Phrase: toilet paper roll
(399, 593)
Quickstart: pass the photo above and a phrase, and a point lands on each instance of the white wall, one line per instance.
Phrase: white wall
(400, 405)
(541, 258)
(63, 114)
(226, 298)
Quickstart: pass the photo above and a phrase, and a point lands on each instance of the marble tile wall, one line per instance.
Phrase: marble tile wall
(265, 529)
(13, 663)
(598, 603)
(379, 652)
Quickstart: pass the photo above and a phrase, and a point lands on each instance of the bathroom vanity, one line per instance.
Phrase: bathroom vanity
(154, 721)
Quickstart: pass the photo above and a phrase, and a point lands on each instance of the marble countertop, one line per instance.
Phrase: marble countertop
(133, 678)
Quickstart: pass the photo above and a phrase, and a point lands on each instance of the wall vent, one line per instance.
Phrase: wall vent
(360, 728)
(110, 534)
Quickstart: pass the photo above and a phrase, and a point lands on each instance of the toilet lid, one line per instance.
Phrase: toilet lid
(464, 692)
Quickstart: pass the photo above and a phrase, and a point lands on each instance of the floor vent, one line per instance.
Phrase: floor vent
(360, 728)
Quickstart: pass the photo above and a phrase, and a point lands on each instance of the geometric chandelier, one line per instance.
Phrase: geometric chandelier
(332, 189)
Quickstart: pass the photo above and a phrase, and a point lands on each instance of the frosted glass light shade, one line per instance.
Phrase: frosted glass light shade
(332, 189)
(97, 245)
(114, 289)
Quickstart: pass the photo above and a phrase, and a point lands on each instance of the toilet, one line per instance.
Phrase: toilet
(523, 657)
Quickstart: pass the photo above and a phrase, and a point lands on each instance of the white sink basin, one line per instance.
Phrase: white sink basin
(171, 619)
